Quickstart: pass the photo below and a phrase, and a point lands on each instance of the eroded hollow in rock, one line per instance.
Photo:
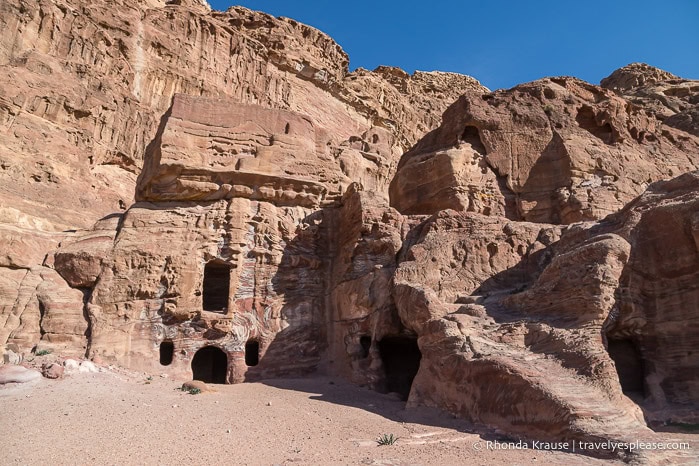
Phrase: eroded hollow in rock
(252, 353)
(473, 137)
(629, 366)
(167, 351)
(587, 120)
(401, 360)
(217, 283)
(210, 365)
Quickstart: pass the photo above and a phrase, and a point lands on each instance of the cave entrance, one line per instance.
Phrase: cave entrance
(217, 284)
(167, 351)
(401, 360)
(629, 366)
(472, 136)
(210, 365)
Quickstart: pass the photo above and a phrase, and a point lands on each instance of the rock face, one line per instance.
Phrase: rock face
(571, 326)
(656, 313)
(84, 87)
(94, 79)
(557, 150)
(519, 263)
(210, 150)
(670, 98)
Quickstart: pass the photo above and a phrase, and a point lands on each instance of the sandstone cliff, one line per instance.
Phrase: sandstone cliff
(93, 79)
(213, 194)
(84, 87)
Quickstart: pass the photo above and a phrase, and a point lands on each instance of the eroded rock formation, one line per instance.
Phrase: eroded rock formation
(85, 87)
(557, 150)
(256, 211)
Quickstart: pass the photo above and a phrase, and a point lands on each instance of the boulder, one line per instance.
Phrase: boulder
(88, 367)
(71, 365)
(52, 371)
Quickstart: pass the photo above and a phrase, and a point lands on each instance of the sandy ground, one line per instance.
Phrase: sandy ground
(123, 418)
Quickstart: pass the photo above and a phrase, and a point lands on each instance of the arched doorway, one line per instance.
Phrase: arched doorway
(210, 365)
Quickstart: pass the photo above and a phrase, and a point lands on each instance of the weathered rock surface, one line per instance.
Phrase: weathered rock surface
(557, 150)
(83, 90)
(368, 236)
(92, 80)
(657, 312)
(291, 216)
(575, 333)
(211, 150)
(52, 371)
(38, 305)
(673, 100)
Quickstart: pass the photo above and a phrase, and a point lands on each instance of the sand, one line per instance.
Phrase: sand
(123, 418)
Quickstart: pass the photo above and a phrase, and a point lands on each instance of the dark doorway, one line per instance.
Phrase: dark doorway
(401, 360)
(217, 283)
(629, 365)
(210, 365)
(252, 353)
(167, 351)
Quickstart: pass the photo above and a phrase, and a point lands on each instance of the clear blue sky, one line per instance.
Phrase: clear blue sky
(503, 43)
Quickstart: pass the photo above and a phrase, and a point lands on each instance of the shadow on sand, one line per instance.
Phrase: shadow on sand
(338, 391)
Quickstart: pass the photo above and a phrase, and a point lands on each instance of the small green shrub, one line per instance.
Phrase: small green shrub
(386, 439)
(191, 391)
(43, 352)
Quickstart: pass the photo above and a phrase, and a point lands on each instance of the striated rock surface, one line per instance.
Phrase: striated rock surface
(212, 195)
(657, 314)
(583, 329)
(264, 259)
